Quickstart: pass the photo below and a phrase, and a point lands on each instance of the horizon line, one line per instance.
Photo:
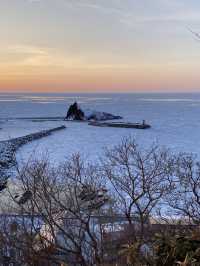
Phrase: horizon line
(100, 92)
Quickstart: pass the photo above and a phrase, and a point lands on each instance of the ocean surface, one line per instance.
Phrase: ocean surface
(174, 120)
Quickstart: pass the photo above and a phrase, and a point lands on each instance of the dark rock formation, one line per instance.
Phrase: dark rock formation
(74, 113)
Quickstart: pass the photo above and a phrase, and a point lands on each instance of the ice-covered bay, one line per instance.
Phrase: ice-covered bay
(174, 118)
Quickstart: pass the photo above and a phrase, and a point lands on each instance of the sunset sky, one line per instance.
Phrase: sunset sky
(99, 45)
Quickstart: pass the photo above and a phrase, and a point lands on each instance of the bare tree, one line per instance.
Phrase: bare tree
(63, 213)
(196, 34)
(185, 198)
(140, 179)
(66, 201)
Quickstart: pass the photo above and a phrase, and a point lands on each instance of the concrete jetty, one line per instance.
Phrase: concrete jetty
(120, 125)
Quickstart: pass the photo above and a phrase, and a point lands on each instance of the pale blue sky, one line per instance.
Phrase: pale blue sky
(105, 45)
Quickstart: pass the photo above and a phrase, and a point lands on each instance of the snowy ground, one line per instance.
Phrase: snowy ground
(174, 119)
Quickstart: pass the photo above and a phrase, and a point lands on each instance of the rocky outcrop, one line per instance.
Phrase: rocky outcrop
(76, 113)
(100, 116)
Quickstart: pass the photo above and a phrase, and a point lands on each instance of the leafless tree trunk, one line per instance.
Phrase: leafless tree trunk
(140, 179)
(66, 202)
(185, 198)
(58, 209)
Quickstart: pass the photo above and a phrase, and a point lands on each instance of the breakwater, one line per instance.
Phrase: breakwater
(120, 125)
(8, 148)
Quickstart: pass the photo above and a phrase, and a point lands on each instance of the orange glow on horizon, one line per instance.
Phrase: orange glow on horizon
(132, 79)
(99, 46)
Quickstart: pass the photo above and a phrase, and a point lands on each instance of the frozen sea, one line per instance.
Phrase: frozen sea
(175, 121)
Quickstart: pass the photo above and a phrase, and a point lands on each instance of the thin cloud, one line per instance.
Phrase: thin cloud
(26, 49)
